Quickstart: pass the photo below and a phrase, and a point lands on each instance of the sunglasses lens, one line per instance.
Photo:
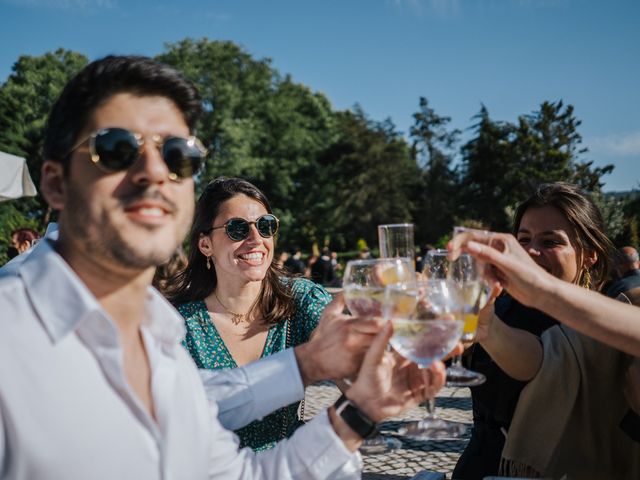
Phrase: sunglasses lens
(117, 148)
(183, 156)
(267, 226)
(237, 229)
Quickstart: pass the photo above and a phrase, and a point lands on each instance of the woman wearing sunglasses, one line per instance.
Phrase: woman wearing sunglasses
(237, 303)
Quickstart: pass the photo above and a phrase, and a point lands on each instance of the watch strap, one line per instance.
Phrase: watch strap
(357, 420)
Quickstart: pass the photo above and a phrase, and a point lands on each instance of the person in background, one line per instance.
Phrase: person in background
(628, 271)
(282, 258)
(22, 239)
(322, 271)
(294, 264)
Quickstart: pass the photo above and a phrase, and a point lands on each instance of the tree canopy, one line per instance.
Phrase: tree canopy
(331, 175)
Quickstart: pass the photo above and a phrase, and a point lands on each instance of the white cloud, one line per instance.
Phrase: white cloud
(623, 144)
(63, 4)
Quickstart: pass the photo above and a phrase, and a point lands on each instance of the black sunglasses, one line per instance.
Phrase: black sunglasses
(116, 149)
(238, 228)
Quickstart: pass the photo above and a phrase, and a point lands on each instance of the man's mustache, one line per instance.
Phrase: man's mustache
(146, 194)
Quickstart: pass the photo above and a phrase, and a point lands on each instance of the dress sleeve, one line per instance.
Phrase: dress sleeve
(311, 299)
(192, 313)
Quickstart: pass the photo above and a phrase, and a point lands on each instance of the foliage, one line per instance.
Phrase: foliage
(333, 176)
(438, 191)
(363, 179)
(258, 126)
(25, 100)
(504, 162)
(612, 212)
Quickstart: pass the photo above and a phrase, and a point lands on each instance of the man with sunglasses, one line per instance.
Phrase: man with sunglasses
(93, 381)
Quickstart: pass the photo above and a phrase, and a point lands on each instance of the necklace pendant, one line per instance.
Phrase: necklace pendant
(236, 318)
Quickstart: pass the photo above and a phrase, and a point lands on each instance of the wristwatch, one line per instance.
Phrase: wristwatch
(358, 421)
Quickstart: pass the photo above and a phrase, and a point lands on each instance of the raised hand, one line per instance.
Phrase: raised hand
(337, 346)
(389, 384)
(511, 267)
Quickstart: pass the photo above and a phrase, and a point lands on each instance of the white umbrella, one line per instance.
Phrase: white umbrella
(15, 181)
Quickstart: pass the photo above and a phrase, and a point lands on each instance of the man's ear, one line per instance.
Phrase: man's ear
(52, 184)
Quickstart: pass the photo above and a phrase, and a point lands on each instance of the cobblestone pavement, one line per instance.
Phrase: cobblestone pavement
(414, 456)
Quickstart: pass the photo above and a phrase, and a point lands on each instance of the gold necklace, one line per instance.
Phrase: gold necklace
(236, 318)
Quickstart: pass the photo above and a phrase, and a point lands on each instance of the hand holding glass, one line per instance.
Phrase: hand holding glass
(424, 335)
(474, 293)
(364, 285)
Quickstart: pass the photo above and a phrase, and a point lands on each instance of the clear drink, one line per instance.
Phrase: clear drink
(399, 301)
(425, 341)
(364, 301)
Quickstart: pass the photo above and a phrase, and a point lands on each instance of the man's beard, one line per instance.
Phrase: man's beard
(102, 238)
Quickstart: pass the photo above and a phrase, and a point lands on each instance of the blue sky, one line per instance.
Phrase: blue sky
(510, 55)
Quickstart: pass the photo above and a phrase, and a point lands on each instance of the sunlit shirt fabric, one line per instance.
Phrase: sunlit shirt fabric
(67, 411)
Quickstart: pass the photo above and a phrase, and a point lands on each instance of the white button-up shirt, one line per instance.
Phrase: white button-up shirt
(67, 411)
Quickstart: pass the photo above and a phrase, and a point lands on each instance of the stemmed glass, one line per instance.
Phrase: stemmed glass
(364, 283)
(466, 274)
(426, 334)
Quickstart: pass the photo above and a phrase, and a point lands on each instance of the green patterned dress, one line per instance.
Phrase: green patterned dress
(210, 352)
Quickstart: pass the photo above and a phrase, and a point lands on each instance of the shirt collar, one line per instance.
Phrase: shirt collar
(62, 301)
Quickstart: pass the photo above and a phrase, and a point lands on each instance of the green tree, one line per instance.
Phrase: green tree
(487, 186)
(25, 100)
(436, 194)
(257, 124)
(363, 179)
(504, 163)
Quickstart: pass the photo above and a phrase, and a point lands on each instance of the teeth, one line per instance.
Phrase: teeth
(251, 256)
(151, 211)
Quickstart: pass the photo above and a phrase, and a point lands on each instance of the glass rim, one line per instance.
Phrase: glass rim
(391, 225)
(372, 261)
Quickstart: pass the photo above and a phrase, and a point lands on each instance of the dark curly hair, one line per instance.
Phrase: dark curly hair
(99, 81)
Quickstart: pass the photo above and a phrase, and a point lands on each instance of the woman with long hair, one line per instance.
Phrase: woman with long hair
(238, 304)
(541, 413)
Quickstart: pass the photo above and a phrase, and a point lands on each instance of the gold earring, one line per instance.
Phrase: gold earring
(586, 279)
(208, 263)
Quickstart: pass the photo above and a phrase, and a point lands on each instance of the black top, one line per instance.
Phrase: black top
(322, 271)
(295, 266)
(494, 402)
(630, 425)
